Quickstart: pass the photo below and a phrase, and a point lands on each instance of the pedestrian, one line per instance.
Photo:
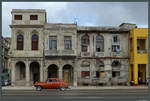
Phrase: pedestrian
(147, 80)
(139, 80)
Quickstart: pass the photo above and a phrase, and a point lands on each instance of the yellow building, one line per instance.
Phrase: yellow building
(138, 51)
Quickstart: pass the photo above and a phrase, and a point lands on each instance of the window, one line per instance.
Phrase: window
(84, 43)
(99, 44)
(141, 45)
(85, 74)
(33, 17)
(18, 17)
(67, 42)
(116, 48)
(53, 43)
(49, 80)
(100, 74)
(116, 63)
(99, 63)
(115, 74)
(34, 42)
(116, 44)
(20, 42)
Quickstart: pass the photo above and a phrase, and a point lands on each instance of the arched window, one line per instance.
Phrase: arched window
(84, 43)
(100, 64)
(99, 43)
(34, 42)
(20, 42)
(116, 63)
(115, 72)
(85, 71)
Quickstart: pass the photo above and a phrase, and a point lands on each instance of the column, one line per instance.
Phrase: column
(27, 74)
(75, 78)
(75, 74)
(41, 71)
(13, 74)
(135, 73)
(60, 72)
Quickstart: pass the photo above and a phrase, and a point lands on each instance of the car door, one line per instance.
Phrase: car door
(49, 84)
(55, 84)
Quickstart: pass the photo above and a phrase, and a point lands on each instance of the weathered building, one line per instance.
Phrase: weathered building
(5, 49)
(79, 55)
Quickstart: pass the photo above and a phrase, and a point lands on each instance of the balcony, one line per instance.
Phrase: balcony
(60, 53)
(142, 51)
(99, 54)
(68, 53)
(51, 53)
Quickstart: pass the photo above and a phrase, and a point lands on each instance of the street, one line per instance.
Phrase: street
(128, 94)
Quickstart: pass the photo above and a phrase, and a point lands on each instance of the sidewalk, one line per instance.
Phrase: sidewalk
(80, 87)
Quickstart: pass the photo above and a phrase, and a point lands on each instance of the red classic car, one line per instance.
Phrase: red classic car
(51, 83)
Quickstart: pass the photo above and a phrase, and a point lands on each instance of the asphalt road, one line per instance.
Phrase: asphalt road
(131, 94)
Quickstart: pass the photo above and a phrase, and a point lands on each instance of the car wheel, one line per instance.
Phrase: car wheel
(62, 88)
(38, 88)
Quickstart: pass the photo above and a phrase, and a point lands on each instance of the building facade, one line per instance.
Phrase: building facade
(80, 55)
(5, 58)
(138, 49)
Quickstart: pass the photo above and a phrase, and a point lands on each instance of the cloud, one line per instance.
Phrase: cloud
(87, 13)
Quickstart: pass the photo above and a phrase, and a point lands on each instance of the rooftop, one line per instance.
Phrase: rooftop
(28, 11)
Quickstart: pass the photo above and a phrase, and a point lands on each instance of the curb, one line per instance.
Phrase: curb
(82, 88)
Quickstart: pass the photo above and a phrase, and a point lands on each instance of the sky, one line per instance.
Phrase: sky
(84, 13)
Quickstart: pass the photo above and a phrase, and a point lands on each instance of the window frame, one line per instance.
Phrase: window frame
(52, 43)
(34, 44)
(33, 17)
(85, 43)
(20, 45)
(18, 17)
(68, 42)
(99, 43)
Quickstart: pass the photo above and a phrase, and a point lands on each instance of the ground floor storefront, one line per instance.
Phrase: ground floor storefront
(77, 72)
(138, 74)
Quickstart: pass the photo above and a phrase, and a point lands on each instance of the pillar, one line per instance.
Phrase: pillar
(60, 73)
(13, 74)
(135, 73)
(130, 72)
(75, 74)
(41, 71)
(75, 79)
(27, 74)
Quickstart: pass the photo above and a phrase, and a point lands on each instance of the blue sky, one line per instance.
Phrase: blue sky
(85, 13)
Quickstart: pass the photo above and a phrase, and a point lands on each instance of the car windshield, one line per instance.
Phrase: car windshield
(49, 80)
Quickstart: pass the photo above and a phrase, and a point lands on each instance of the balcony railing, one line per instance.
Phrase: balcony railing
(99, 54)
(68, 53)
(51, 53)
(142, 51)
(85, 54)
(60, 53)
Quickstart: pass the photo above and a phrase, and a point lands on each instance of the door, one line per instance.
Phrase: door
(66, 76)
